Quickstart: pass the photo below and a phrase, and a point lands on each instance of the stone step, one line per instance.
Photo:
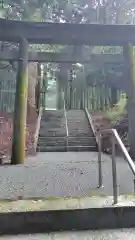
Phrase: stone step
(63, 134)
(57, 219)
(47, 118)
(53, 130)
(56, 142)
(44, 142)
(75, 113)
(82, 142)
(52, 134)
(82, 148)
(78, 124)
(79, 130)
(63, 143)
(81, 139)
(79, 235)
(52, 125)
(78, 134)
(78, 119)
(52, 139)
(75, 128)
(72, 115)
(81, 125)
(50, 130)
(51, 112)
(52, 144)
(49, 115)
(69, 148)
(51, 149)
(52, 117)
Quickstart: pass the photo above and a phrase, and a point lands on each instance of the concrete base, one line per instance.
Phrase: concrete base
(59, 175)
(66, 215)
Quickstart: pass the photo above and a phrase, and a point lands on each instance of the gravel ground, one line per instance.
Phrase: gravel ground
(62, 175)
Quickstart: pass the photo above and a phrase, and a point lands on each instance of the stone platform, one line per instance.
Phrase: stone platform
(61, 175)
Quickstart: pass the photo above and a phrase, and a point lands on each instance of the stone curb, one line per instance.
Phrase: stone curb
(67, 220)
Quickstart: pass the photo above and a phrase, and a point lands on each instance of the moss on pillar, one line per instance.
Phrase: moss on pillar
(20, 111)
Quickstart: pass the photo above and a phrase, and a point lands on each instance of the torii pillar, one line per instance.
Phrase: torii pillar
(59, 91)
(129, 66)
(20, 109)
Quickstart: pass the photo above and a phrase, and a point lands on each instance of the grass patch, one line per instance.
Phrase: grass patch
(118, 111)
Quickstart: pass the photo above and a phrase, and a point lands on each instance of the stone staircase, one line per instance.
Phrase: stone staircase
(80, 134)
(52, 134)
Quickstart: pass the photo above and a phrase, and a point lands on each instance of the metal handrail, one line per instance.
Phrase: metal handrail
(114, 137)
(91, 123)
(65, 113)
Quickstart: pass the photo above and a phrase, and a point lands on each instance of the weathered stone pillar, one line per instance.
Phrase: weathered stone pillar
(32, 79)
(129, 66)
(37, 88)
(113, 96)
(83, 87)
(59, 92)
(71, 89)
(20, 111)
(43, 77)
(66, 86)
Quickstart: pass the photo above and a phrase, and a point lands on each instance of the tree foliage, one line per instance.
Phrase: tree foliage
(72, 11)
(79, 11)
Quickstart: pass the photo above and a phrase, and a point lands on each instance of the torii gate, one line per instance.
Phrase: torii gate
(64, 33)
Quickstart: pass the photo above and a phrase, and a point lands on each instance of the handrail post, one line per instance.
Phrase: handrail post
(114, 137)
(114, 172)
(100, 175)
(66, 123)
(134, 185)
